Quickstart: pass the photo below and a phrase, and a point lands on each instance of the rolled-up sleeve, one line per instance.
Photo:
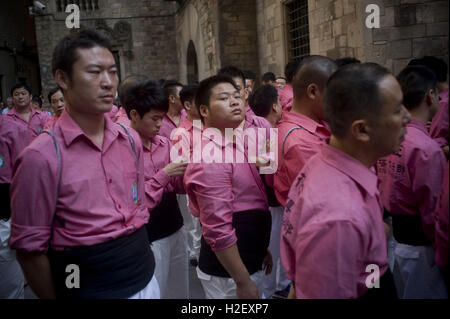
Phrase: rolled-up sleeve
(209, 187)
(33, 201)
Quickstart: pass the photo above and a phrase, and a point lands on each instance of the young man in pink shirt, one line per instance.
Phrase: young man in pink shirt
(176, 113)
(25, 114)
(303, 129)
(121, 115)
(229, 198)
(333, 241)
(146, 104)
(286, 95)
(56, 100)
(410, 184)
(77, 195)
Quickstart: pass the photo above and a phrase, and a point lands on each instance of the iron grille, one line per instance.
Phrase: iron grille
(84, 5)
(298, 25)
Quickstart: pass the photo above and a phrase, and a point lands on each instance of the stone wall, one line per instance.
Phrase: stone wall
(143, 33)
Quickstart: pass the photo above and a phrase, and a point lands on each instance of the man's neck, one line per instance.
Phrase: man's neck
(174, 111)
(301, 106)
(422, 114)
(192, 118)
(93, 125)
(24, 110)
(358, 153)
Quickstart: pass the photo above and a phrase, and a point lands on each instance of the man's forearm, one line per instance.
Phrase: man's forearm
(36, 268)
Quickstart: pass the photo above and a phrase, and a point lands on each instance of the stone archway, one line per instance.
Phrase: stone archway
(192, 65)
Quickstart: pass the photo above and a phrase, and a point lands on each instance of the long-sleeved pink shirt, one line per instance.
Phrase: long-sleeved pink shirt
(441, 233)
(410, 181)
(168, 125)
(439, 125)
(333, 227)
(101, 193)
(299, 146)
(11, 144)
(218, 190)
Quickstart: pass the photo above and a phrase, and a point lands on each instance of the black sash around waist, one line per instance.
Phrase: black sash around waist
(270, 192)
(116, 269)
(386, 290)
(165, 219)
(408, 229)
(253, 235)
(5, 207)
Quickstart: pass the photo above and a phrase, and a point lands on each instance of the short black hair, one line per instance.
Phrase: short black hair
(232, 72)
(249, 75)
(269, 76)
(145, 96)
(21, 85)
(205, 87)
(37, 98)
(51, 92)
(65, 55)
(262, 100)
(438, 66)
(315, 69)
(128, 82)
(415, 82)
(353, 92)
(170, 87)
(290, 70)
(188, 93)
(347, 60)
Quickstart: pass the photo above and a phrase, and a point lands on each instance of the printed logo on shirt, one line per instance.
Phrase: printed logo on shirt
(2, 161)
(134, 193)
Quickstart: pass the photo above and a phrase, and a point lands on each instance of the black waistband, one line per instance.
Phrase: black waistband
(253, 236)
(408, 229)
(165, 219)
(386, 289)
(5, 208)
(115, 269)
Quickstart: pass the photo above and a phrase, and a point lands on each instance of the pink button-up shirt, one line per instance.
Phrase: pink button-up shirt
(441, 234)
(410, 181)
(157, 182)
(35, 125)
(113, 113)
(440, 125)
(11, 144)
(52, 122)
(333, 227)
(101, 194)
(218, 190)
(299, 147)
(252, 120)
(168, 125)
(122, 117)
(286, 97)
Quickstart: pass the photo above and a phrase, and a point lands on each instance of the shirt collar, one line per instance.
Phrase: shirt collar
(418, 124)
(17, 114)
(303, 121)
(351, 167)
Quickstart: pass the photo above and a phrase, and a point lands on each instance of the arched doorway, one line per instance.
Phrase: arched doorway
(192, 67)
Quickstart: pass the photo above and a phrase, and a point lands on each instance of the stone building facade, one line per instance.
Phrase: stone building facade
(189, 40)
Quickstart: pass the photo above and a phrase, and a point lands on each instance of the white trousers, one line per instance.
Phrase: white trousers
(151, 291)
(276, 280)
(225, 288)
(416, 274)
(172, 265)
(11, 275)
(192, 224)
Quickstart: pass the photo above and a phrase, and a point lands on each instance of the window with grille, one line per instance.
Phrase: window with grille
(84, 5)
(298, 29)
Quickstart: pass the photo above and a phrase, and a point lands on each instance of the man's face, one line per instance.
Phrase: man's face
(226, 108)
(149, 125)
(249, 84)
(22, 98)
(57, 102)
(193, 111)
(36, 106)
(281, 83)
(389, 129)
(241, 87)
(93, 85)
(435, 103)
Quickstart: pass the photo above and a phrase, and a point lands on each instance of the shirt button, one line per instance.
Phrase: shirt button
(110, 180)
(119, 206)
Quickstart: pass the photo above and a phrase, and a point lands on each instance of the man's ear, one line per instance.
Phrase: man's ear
(429, 97)
(134, 115)
(62, 79)
(360, 130)
(187, 105)
(204, 111)
(312, 90)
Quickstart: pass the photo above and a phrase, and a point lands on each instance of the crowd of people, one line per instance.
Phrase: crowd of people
(131, 183)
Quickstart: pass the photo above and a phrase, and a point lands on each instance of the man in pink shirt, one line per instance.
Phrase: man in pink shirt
(303, 129)
(333, 241)
(56, 100)
(286, 95)
(11, 144)
(229, 198)
(176, 113)
(146, 105)
(410, 184)
(77, 195)
(25, 114)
